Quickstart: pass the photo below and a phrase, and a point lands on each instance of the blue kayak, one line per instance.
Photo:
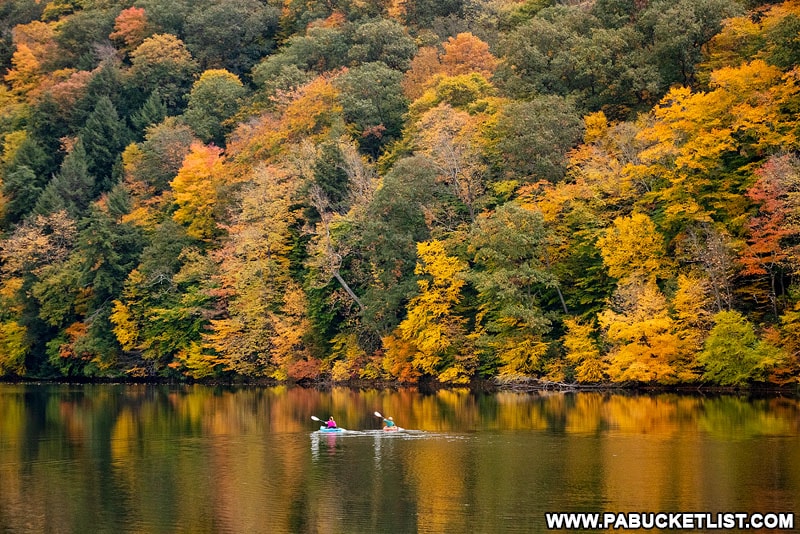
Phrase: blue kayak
(330, 430)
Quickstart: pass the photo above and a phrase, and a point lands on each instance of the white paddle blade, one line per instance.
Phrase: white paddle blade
(378, 414)
(315, 418)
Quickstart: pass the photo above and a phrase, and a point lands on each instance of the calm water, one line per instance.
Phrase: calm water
(135, 458)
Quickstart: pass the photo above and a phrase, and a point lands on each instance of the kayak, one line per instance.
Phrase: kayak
(391, 428)
(330, 430)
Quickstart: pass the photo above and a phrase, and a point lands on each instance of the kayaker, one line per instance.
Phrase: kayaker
(331, 422)
(388, 422)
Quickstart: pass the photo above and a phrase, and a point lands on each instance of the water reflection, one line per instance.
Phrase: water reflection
(144, 458)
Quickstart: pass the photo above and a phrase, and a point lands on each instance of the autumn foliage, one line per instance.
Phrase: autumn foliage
(576, 193)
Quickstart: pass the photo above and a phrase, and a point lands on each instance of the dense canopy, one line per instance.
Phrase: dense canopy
(593, 192)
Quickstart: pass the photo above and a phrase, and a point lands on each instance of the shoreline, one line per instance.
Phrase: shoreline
(531, 385)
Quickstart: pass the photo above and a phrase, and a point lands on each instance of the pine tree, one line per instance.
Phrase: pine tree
(21, 188)
(104, 137)
(152, 112)
(71, 189)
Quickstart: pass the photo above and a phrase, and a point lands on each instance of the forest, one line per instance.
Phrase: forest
(442, 191)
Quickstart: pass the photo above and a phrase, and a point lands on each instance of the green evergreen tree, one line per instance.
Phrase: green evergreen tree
(385, 41)
(109, 251)
(162, 308)
(320, 49)
(423, 13)
(783, 45)
(46, 129)
(534, 137)
(111, 81)
(72, 188)
(153, 111)
(512, 279)
(394, 223)
(675, 33)
(79, 33)
(106, 252)
(104, 137)
(169, 16)
(31, 154)
(21, 187)
(118, 202)
(615, 13)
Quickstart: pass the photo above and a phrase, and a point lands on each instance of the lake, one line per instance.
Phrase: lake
(196, 459)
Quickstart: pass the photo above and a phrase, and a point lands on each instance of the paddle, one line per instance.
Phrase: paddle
(394, 427)
(315, 418)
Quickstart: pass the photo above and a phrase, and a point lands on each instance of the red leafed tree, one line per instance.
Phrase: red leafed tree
(767, 253)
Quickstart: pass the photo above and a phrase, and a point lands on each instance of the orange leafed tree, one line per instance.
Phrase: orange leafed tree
(67, 92)
(308, 112)
(291, 325)
(313, 109)
(36, 49)
(424, 67)
(130, 28)
(465, 53)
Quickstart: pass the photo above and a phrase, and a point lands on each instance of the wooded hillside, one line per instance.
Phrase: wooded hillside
(590, 191)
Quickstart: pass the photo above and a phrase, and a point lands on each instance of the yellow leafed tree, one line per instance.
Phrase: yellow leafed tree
(432, 325)
(633, 248)
(692, 305)
(450, 138)
(13, 348)
(746, 114)
(195, 189)
(639, 331)
(255, 278)
(289, 328)
(26, 72)
(582, 351)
